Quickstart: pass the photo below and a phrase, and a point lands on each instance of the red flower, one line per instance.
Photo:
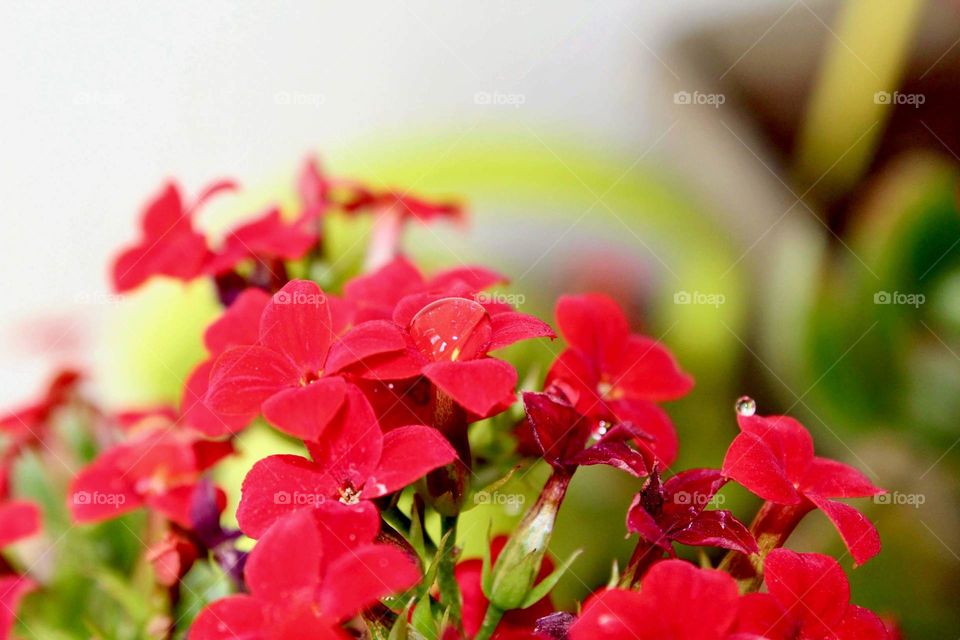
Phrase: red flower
(19, 519)
(565, 437)
(615, 375)
(452, 337)
(808, 596)
(674, 511)
(158, 468)
(290, 374)
(13, 588)
(267, 239)
(29, 423)
(677, 601)
(239, 325)
(169, 243)
(469, 578)
(354, 461)
(374, 296)
(773, 457)
(392, 211)
(311, 571)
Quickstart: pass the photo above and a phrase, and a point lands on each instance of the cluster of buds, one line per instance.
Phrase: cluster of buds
(378, 382)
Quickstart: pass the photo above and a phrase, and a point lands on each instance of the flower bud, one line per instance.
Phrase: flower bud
(511, 581)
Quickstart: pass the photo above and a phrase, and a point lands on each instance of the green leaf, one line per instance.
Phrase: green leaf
(548, 583)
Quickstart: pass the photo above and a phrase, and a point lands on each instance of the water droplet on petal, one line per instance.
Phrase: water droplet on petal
(745, 406)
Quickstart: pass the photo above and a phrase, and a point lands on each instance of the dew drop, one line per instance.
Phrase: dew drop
(745, 406)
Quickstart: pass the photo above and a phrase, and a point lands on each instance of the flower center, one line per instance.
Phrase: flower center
(349, 495)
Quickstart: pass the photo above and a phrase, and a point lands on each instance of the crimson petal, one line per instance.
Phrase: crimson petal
(479, 386)
(408, 454)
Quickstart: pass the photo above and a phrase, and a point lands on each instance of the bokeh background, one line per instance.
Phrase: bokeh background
(769, 186)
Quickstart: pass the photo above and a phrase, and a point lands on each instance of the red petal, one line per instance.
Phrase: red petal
(271, 236)
(12, 590)
(717, 529)
(787, 439)
(674, 589)
(643, 524)
(240, 323)
(688, 493)
(832, 479)
(750, 462)
(238, 617)
(18, 519)
(376, 294)
(285, 564)
(243, 377)
(858, 533)
(613, 454)
(279, 485)
(511, 327)
(558, 429)
(358, 579)
(451, 329)
(101, 491)
(304, 412)
(364, 341)
(593, 324)
(409, 453)
(654, 422)
(612, 614)
(297, 323)
(676, 601)
(174, 504)
(580, 379)
(861, 624)
(811, 588)
(643, 368)
(761, 615)
(181, 256)
(479, 386)
(343, 527)
(352, 443)
(476, 278)
(194, 410)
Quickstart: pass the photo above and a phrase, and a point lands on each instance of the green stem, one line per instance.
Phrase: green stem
(446, 579)
(490, 621)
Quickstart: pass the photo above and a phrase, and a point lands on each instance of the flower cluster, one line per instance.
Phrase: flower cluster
(380, 381)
